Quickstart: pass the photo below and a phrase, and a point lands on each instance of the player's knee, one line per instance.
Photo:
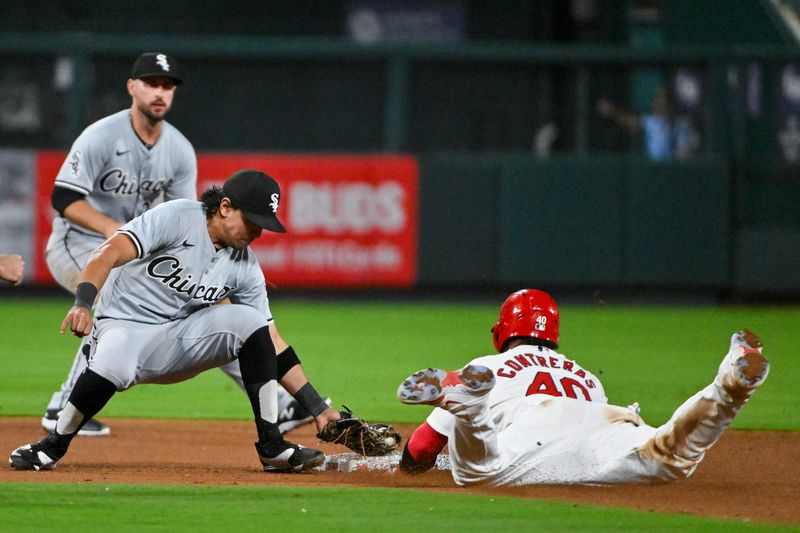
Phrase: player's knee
(242, 319)
(253, 319)
(257, 358)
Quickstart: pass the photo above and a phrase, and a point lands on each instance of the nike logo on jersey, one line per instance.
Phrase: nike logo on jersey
(120, 152)
(186, 244)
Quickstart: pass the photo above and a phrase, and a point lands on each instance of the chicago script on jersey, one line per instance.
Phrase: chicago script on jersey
(168, 270)
(115, 181)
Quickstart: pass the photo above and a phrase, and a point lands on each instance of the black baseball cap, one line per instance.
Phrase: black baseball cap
(257, 195)
(156, 64)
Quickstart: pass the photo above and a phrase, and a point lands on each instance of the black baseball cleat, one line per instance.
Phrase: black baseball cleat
(43, 455)
(283, 456)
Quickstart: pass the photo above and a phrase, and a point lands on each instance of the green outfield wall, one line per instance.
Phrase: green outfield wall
(579, 222)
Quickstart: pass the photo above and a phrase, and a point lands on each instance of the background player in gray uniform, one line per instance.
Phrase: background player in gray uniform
(531, 415)
(156, 322)
(118, 168)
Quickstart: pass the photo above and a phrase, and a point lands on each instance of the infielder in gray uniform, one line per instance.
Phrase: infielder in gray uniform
(156, 322)
(117, 169)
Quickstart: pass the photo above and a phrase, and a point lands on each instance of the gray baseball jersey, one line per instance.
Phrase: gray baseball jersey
(122, 179)
(154, 322)
(120, 176)
(178, 271)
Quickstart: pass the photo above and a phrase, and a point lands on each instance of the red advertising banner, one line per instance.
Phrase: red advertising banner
(351, 220)
(47, 166)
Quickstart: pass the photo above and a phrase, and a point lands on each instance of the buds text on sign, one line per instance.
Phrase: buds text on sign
(338, 208)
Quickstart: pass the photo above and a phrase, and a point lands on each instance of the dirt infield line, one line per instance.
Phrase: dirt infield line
(748, 475)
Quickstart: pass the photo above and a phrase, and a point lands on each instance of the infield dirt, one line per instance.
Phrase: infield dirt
(748, 475)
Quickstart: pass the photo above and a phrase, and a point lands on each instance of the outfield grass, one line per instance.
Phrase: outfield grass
(359, 352)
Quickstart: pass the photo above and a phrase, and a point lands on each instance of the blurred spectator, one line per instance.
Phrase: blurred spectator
(664, 138)
(11, 268)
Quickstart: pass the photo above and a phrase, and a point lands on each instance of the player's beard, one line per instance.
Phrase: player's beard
(144, 109)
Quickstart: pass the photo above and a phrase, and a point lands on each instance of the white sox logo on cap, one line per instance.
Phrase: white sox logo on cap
(161, 61)
(248, 189)
(156, 64)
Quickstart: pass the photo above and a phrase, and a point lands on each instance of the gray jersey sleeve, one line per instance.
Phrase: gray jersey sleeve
(87, 157)
(184, 172)
(154, 229)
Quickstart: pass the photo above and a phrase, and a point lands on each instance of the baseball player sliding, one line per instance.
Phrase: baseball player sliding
(117, 169)
(155, 321)
(531, 415)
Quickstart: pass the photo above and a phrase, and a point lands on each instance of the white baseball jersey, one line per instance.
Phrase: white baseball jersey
(527, 375)
(120, 178)
(547, 421)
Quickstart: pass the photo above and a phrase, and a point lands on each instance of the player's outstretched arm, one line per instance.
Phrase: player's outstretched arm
(293, 378)
(296, 383)
(114, 252)
(421, 450)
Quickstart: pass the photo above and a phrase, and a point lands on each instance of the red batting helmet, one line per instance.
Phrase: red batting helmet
(526, 313)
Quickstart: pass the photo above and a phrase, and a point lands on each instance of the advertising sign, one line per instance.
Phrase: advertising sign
(351, 220)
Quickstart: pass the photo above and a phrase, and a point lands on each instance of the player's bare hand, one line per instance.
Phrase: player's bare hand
(328, 415)
(11, 268)
(78, 320)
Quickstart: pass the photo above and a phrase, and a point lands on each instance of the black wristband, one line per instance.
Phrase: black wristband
(310, 400)
(85, 294)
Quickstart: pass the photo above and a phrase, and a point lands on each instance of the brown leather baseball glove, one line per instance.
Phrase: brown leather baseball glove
(361, 436)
